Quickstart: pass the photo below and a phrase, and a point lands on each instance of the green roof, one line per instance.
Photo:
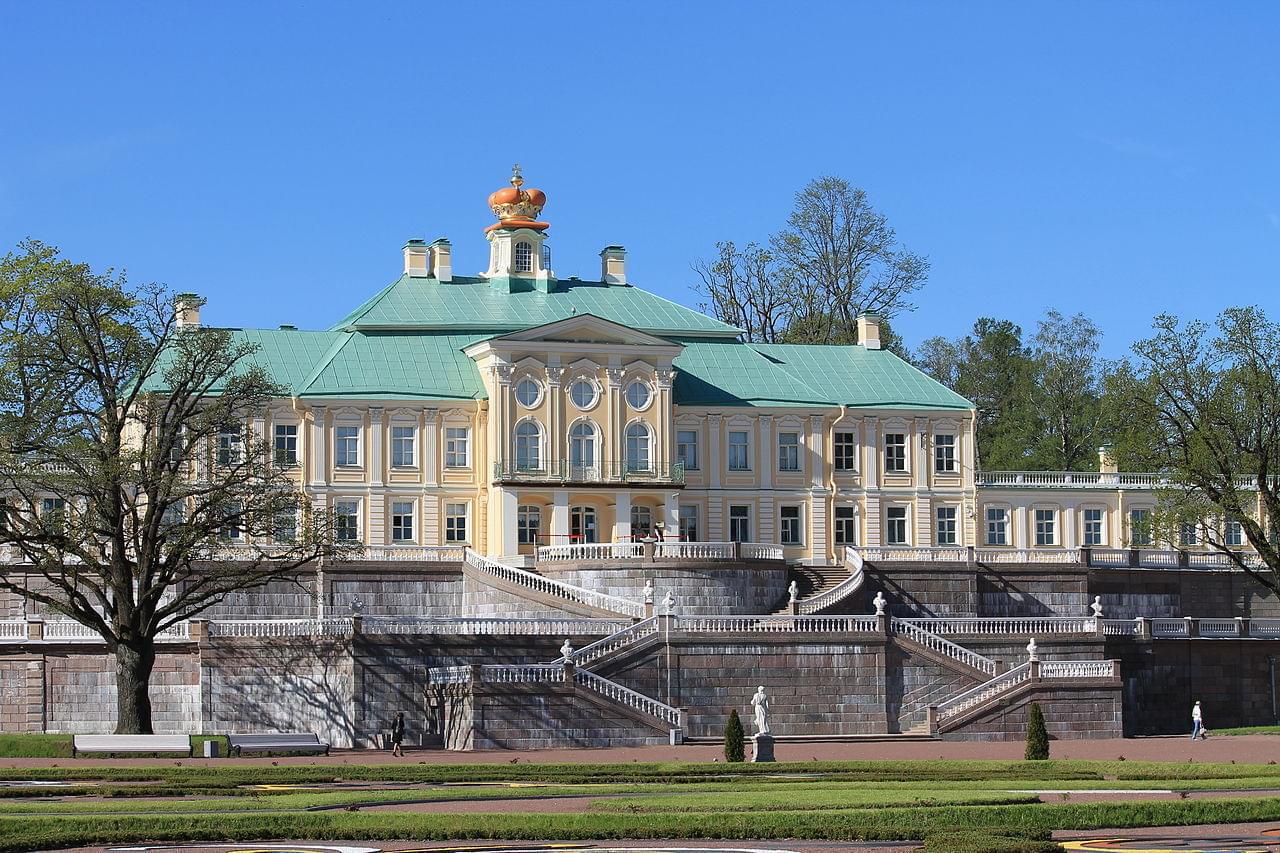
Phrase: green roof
(468, 303)
(712, 373)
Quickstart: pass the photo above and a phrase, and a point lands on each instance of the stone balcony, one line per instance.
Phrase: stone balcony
(625, 473)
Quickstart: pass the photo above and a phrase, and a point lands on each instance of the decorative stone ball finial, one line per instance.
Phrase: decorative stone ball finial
(793, 592)
(566, 651)
(648, 592)
(879, 601)
(1096, 607)
(1033, 651)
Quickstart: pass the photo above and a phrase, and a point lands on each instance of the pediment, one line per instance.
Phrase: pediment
(586, 329)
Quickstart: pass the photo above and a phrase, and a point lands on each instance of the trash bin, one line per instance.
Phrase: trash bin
(211, 749)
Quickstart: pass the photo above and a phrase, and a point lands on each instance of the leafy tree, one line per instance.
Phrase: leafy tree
(126, 461)
(1213, 398)
(1037, 735)
(1067, 392)
(835, 259)
(996, 372)
(734, 739)
(1125, 423)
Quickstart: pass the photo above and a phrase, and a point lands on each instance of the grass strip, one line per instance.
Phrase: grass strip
(806, 800)
(889, 824)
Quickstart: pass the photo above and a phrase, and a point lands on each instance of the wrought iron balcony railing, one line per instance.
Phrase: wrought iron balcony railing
(562, 471)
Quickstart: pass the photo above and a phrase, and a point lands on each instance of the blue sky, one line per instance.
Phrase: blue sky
(1118, 159)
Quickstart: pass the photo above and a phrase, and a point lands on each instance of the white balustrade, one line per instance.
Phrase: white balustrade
(943, 646)
(13, 629)
(1070, 480)
(65, 630)
(625, 696)
(622, 638)
(1108, 557)
(976, 696)
(1219, 628)
(846, 588)
(695, 550)
(481, 625)
(179, 632)
(905, 554)
(1120, 627)
(1170, 628)
(526, 673)
(1056, 556)
(449, 674)
(1065, 669)
(552, 587)
(411, 553)
(591, 551)
(760, 551)
(280, 628)
(1022, 626)
(778, 624)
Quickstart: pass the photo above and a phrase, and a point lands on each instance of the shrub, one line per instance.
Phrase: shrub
(992, 841)
(734, 746)
(1037, 735)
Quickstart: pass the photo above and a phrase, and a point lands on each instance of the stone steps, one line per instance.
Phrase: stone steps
(916, 734)
(813, 580)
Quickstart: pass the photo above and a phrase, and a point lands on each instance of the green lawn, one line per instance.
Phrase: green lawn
(59, 746)
(1247, 730)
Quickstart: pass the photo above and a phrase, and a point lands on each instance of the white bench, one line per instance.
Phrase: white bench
(130, 743)
(276, 742)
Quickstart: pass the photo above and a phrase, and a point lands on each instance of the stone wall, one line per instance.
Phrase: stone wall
(22, 694)
(710, 589)
(553, 717)
(958, 589)
(80, 692)
(1129, 593)
(914, 682)
(1072, 714)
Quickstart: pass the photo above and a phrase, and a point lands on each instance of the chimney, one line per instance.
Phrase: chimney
(442, 259)
(869, 330)
(186, 310)
(1107, 459)
(613, 265)
(415, 259)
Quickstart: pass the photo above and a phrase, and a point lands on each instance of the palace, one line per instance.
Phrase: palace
(591, 516)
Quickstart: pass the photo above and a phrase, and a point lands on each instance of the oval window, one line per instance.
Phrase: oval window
(583, 394)
(527, 393)
(638, 395)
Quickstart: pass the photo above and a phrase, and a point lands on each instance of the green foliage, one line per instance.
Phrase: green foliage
(734, 739)
(35, 746)
(993, 841)
(1037, 735)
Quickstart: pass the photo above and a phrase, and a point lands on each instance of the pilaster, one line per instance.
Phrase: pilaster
(816, 471)
(765, 455)
(319, 445)
(715, 459)
(430, 431)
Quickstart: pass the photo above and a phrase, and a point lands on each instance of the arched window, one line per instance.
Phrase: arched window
(582, 449)
(528, 523)
(638, 441)
(528, 446)
(524, 257)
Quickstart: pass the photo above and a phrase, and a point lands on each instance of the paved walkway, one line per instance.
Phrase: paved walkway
(1244, 749)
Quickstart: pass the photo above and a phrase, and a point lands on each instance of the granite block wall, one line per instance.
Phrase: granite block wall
(21, 695)
(552, 718)
(80, 690)
(957, 589)
(1129, 593)
(913, 683)
(1068, 715)
(714, 590)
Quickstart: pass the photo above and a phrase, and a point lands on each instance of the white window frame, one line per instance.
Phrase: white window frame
(537, 391)
(946, 525)
(901, 446)
(845, 518)
(891, 518)
(683, 516)
(457, 449)
(731, 445)
(791, 525)
(522, 257)
(1192, 541)
(1045, 526)
(739, 519)
(997, 524)
(595, 393)
(1100, 533)
(229, 448)
(453, 534)
(590, 439)
(527, 533)
(648, 395)
(639, 457)
(397, 457)
(687, 452)
(532, 446)
(1140, 533)
(1233, 534)
(288, 456)
(789, 453)
(398, 526)
(341, 454)
(844, 452)
(338, 514)
(945, 458)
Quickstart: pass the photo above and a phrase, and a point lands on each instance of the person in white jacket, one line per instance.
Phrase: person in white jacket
(1197, 721)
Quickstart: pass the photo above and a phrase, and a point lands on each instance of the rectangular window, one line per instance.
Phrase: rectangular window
(945, 526)
(1046, 523)
(528, 524)
(455, 522)
(846, 526)
(845, 447)
(895, 452)
(687, 449)
(284, 527)
(788, 451)
(229, 446)
(346, 521)
(739, 448)
(1234, 534)
(51, 505)
(997, 526)
(402, 521)
(346, 446)
(1092, 527)
(404, 440)
(1187, 536)
(739, 523)
(456, 440)
(174, 514)
(286, 444)
(896, 525)
(688, 520)
(791, 530)
(230, 529)
(944, 454)
(1139, 527)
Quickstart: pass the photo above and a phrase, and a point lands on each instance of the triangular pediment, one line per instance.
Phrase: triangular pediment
(586, 329)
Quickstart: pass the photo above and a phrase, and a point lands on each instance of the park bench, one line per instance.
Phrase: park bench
(276, 742)
(130, 743)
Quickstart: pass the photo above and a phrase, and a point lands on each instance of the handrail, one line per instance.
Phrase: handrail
(1087, 480)
(909, 554)
(1033, 626)
(839, 592)
(484, 625)
(553, 587)
(1057, 556)
(625, 696)
(617, 640)
(280, 627)
(1063, 669)
(590, 551)
(520, 673)
(774, 624)
(942, 646)
(975, 696)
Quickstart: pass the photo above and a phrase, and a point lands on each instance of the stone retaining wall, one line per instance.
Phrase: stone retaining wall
(700, 590)
(1069, 714)
(1129, 593)
(958, 589)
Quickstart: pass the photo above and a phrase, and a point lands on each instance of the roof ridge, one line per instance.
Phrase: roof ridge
(325, 360)
(364, 307)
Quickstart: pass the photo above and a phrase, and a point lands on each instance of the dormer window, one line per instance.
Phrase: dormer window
(524, 257)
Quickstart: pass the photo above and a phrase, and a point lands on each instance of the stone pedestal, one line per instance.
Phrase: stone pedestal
(762, 748)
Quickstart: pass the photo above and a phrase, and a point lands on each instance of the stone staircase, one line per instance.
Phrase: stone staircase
(547, 591)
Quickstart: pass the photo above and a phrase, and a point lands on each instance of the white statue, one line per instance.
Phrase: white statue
(760, 703)
(669, 603)
(1096, 607)
(566, 651)
(879, 601)
(1033, 651)
(648, 591)
(793, 592)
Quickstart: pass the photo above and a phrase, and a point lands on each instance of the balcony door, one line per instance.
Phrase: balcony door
(582, 524)
(583, 462)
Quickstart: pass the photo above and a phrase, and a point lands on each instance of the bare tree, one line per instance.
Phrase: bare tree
(747, 288)
(128, 469)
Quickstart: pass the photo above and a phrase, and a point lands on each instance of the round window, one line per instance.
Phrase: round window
(527, 393)
(583, 394)
(637, 395)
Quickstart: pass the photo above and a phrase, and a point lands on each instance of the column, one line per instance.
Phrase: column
(555, 399)
(258, 428)
(715, 460)
(430, 431)
(622, 517)
(817, 470)
(1068, 537)
(377, 500)
(817, 510)
(500, 430)
(560, 517)
(613, 458)
(871, 459)
(923, 453)
(1019, 522)
(716, 530)
(666, 421)
(765, 453)
(506, 521)
(819, 526)
(671, 515)
(319, 444)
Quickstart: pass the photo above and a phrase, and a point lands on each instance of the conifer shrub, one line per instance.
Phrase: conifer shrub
(1037, 735)
(734, 739)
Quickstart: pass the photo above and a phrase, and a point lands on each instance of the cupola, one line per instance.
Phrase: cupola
(517, 258)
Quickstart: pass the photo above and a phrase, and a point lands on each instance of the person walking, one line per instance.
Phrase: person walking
(1197, 721)
(397, 734)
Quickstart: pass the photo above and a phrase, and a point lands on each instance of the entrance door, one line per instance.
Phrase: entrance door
(582, 524)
